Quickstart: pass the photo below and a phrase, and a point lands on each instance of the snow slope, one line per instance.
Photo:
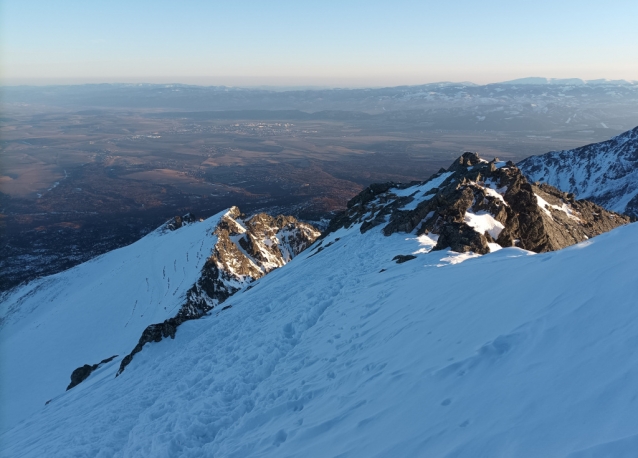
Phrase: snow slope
(104, 312)
(343, 352)
(605, 173)
(93, 311)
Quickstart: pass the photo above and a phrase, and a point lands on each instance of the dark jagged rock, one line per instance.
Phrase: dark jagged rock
(82, 373)
(179, 221)
(464, 162)
(359, 206)
(454, 204)
(246, 250)
(462, 238)
(401, 258)
(159, 331)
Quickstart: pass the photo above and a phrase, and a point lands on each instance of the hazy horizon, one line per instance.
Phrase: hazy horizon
(327, 44)
(244, 83)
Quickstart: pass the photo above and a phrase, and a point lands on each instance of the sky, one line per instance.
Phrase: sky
(346, 43)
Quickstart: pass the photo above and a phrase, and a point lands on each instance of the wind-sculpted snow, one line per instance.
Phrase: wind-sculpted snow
(605, 173)
(343, 352)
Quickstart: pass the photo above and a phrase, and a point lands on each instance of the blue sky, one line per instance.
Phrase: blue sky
(343, 43)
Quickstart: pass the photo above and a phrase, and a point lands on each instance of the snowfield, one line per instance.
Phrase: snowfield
(93, 311)
(345, 353)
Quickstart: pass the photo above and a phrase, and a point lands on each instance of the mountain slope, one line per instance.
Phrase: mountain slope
(605, 173)
(505, 355)
(67, 323)
(391, 336)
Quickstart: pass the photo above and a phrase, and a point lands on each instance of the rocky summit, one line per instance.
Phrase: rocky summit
(246, 250)
(605, 173)
(478, 206)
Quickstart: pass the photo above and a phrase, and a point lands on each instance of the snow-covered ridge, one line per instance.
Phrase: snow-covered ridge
(246, 250)
(605, 173)
(101, 308)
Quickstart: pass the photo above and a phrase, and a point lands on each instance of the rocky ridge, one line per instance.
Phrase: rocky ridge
(605, 173)
(479, 206)
(246, 250)
(179, 221)
(82, 372)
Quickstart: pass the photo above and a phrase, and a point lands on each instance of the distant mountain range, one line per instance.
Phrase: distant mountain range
(605, 173)
(527, 108)
(570, 82)
(575, 95)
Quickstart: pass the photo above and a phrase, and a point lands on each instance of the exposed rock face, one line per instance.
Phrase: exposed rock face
(475, 204)
(460, 237)
(246, 250)
(82, 373)
(179, 221)
(401, 258)
(605, 173)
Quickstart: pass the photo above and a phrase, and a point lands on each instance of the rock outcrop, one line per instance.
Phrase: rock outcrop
(179, 221)
(475, 204)
(246, 250)
(82, 373)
